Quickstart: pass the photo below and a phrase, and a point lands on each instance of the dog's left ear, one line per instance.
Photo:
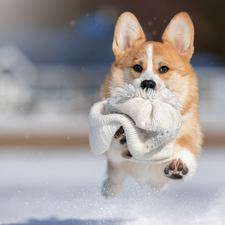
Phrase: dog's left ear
(180, 34)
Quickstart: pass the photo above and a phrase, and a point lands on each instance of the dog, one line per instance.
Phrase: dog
(155, 63)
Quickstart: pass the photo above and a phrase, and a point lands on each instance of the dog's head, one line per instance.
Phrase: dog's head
(154, 64)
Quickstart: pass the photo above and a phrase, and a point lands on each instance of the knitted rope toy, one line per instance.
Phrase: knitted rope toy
(151, 119)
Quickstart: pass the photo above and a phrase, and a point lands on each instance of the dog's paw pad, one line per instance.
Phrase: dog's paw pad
(123, 141)
(176, 169)
(119, 133)
(126, 154)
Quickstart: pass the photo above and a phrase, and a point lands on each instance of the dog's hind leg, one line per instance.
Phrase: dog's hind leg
(114, 183)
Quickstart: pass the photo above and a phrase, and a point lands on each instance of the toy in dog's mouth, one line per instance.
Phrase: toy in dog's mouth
(150, 120)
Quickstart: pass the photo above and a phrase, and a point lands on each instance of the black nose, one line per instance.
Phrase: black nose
(148, 84)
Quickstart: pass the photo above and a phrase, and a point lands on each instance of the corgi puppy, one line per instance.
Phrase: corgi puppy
(155, 63)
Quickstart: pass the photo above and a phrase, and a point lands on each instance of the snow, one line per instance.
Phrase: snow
(63, 186)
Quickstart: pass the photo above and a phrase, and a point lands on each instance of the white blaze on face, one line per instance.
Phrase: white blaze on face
(149, 72)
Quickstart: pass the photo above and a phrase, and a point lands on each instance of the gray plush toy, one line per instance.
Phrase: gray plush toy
(151, 120)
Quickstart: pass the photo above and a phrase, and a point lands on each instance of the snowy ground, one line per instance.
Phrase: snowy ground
(62, 186)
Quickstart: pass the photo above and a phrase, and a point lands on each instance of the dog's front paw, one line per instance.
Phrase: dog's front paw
(120, 135)
(176, 169)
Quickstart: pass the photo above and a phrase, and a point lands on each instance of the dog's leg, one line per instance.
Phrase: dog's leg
(183, 165)
(157, 179)
(159, 187)
(113, 185)
(116, 174)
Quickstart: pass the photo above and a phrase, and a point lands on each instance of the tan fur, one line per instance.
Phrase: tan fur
(181, 80)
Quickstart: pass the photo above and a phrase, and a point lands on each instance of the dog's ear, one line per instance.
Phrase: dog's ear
(180, 34)
(127, 31)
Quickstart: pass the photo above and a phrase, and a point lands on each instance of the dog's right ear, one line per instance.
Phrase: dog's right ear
(180, 34)
(127, 31)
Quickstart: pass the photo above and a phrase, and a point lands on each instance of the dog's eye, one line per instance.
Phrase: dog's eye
(137, 68)
(163, 69)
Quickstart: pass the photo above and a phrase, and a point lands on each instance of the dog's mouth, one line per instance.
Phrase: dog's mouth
(126, 154)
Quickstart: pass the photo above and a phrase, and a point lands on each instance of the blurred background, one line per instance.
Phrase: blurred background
(54, 56)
